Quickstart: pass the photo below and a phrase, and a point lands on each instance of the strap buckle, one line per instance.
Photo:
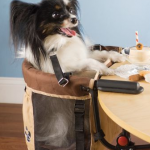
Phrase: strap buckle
(79, 108)
(96, 47)
(63, 82)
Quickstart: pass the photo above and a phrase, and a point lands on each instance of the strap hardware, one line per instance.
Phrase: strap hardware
(99, 135)
(96, 47)
(62, 78)
(79, 108)
(63, 82)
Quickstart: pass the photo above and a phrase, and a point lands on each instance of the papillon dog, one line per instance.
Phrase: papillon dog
(52, 26)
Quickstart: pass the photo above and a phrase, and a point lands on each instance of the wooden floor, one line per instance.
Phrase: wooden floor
(11, 127)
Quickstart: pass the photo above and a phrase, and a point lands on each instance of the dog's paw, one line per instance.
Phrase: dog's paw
(107, 71)
(116, 57)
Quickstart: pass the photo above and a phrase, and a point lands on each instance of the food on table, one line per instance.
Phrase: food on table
(135, 77)
(139, 46)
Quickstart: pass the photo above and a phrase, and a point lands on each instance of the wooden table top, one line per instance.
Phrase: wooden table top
(131, 112)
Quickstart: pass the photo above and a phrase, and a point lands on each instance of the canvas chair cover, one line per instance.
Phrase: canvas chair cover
(42, 87)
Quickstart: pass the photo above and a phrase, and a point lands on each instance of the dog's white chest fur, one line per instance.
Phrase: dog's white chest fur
(66, 47)
(70, 51)
(73, 55)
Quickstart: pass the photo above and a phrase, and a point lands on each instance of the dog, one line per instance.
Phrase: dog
(52, 26)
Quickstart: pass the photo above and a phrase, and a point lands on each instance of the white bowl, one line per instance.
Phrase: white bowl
(138, 57)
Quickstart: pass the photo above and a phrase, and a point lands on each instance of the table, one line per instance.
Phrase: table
(131, 112)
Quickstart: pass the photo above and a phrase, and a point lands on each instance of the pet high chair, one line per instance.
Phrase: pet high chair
(42, 87)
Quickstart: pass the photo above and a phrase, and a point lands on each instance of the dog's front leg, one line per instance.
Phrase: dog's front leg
(102, 56)
(91, 64)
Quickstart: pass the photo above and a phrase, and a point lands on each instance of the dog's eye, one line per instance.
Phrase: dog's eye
(56, 15)
(71, 10)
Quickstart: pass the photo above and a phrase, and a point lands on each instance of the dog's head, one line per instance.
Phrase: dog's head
(32, 23)
(57, 17)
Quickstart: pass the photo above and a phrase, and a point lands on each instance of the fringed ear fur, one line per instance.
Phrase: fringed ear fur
(21, 17)
(23, 28)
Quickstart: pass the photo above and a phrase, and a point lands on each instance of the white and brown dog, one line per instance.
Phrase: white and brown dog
(53, 25)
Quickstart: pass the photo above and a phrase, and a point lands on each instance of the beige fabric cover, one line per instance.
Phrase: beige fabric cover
(46, 84)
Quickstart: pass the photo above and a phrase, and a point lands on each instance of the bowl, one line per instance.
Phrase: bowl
(137, 57)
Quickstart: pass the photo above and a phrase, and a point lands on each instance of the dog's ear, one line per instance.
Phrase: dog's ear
(23, 27)
(21, 16)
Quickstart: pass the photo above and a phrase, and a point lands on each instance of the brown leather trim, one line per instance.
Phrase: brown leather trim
(46, 82)
(109, 48)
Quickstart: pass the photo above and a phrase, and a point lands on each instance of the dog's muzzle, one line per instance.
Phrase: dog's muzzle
(74, 20)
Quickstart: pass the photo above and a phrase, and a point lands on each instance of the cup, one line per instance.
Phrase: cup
(139, 56)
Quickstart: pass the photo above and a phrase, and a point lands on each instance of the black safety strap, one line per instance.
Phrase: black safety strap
(99, 132)
(96, 47)
(94, 94)
(79, 111)
(63, 78)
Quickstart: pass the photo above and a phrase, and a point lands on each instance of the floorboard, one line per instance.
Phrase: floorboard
(11, 127)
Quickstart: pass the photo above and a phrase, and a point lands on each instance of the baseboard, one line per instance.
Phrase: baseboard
(11, 90)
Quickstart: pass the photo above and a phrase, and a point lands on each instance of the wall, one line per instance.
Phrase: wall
(109, 22)
(114, 22)
(11, 82)
(9, 66)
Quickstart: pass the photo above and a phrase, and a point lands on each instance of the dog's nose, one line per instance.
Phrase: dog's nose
(74, 20)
